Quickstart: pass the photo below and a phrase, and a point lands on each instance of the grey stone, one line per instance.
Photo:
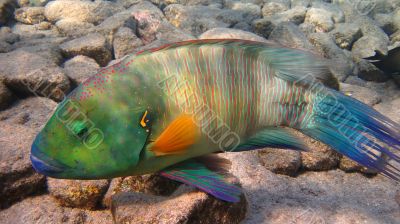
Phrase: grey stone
(272, 8)
(307, 28)
(44, 209)
(26, 31)
(193, 19)
(345, 34)
(342, 63)
(7, 8)
(125, 42)
(30, 15)
(386, 22)
(7, 36)
(6, 96)
(31, 112)
(295, 15)
(371, 28)
(93, 45)
(110, 26)
(5, 47)
(78, 193)
(228, 33)
(190, 206)
(80, 67)
(85, 11)
(303, 3)
(396, 19)
(263, 27)
(287, 162)
(47, 48)
(17, 177)
(29, 73)
(290, 35)
(313, 197)
(363, 94)
(73, 27)
(27, 3)
(368, 46)
(152, 184)
(335, 10)
(249, 11)
(369, 72)
(321, 19)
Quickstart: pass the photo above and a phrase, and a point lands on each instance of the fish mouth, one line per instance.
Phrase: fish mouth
(44, 164)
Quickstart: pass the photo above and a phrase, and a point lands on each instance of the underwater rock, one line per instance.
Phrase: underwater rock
(78, 193)
(363, 94)
(31, 112)
(280, 161)
(30, 74)
(368, 46)
(73, 27)
(7, 8)
(271, 8)
(152, 184)
(369, 71)
(333, 9)
(186, 205)
(248, 10)
(319, 157)
(80, 67)
(313, 197)
(7, 36)
(390, 109)
(125, 42)
(345, 34)
(288, 34)
(386, 22)
(44, 209)
(321, 19)
(30, 15)
(85, 11)
(93, 45)
(6, 96)
(109, 27)
(17, 177)
(228, 33)
(193, 19)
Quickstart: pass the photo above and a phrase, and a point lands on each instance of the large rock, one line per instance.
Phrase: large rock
(321, 19)
(363, 94)
(7, 8)
(125, 42)
(193, 19)
(30, 15)
(44, 209)
(248, 10)
(333, 9)
(272, 8)
(85, 11)
(287, 162)
(345, 34)
(342, 65)
(153, 27)
(29, 73)
(186, 205)
(111, 25)
(17, 177)
(78, 193)
(228, 33)
(314, 197)
(369, 46)
(31, 112)
(80, 67)
(369, 72)
(266, 25)
(6, 96)
(93, 45)
(73, 27)
(7, 36)
(288, 34)
(153, 184)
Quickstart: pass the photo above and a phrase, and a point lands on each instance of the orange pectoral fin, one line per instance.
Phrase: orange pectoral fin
(177, 137)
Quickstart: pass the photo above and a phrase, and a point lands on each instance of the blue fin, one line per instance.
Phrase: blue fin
(197, 175)
(273, 137)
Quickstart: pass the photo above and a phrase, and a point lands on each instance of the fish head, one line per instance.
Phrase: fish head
(100, 136)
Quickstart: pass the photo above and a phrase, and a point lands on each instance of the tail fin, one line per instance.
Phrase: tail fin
(357, 131)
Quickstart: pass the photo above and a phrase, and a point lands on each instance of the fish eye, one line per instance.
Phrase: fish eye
(79, 128)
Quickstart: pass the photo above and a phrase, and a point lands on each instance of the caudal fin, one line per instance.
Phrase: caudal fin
(357, 131)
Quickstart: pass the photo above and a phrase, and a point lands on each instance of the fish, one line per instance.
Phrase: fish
(172, 110)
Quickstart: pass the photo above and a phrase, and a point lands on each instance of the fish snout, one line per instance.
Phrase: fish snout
(44, 164)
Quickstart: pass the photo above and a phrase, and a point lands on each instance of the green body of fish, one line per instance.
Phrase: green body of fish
(239, 94)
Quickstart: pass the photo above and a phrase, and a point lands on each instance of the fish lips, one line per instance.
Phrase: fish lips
(44, 164)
